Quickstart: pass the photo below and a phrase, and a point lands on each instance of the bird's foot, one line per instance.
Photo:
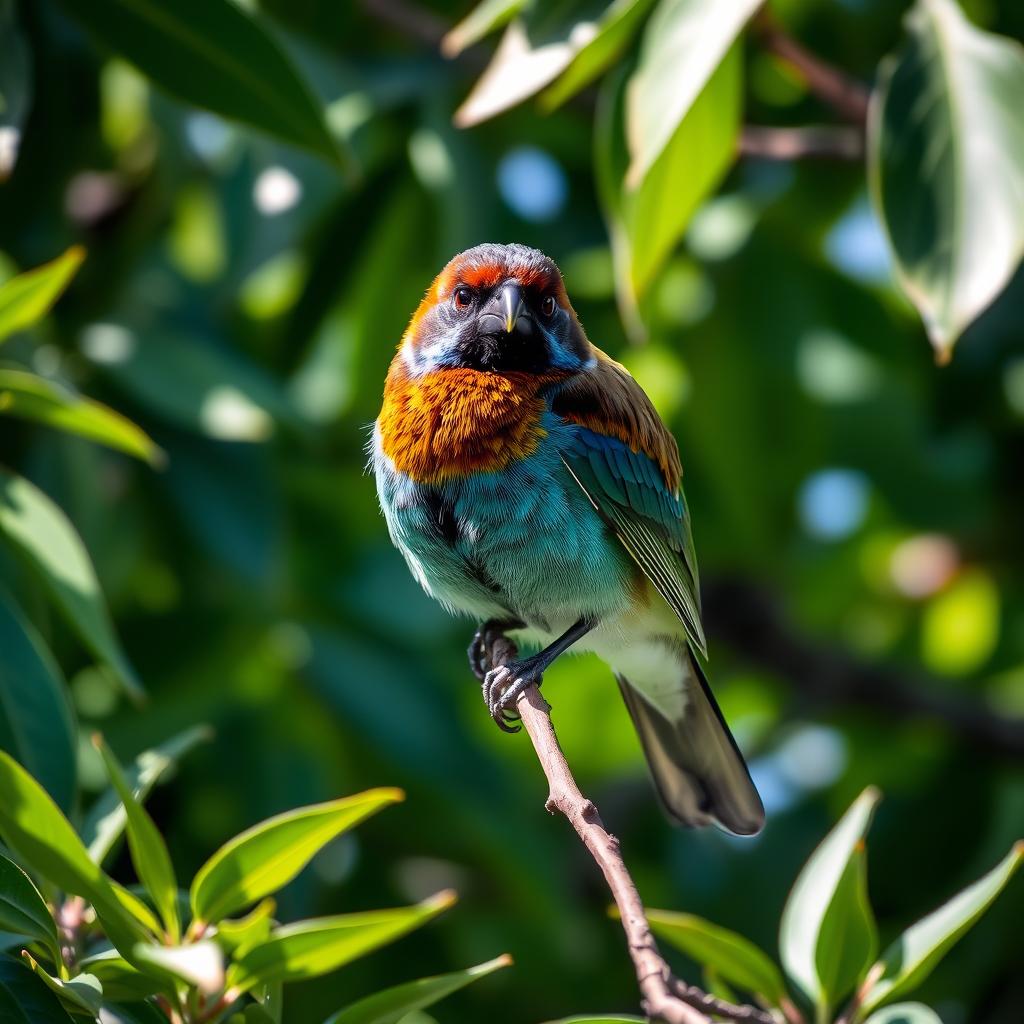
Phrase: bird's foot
(481, 649)
(504, 684)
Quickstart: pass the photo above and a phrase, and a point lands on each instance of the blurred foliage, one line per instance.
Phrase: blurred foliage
(244, 285)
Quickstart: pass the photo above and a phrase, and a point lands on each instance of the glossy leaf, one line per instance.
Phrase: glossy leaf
(136, 908)
(684, 43)
(105, 822)
(214, 54)
(736, 959)
(40, 530)
(27, 298)
(37, 722)
(25, 998)
(267, 856)
(236, 935)
(149, 853)
(198, 964)
(81, 994)
(23, 910)
(45, 401)
(824, 890)
(391, 1005)
(913, 956)
(33, 827)
(946, 163)
(311, 948)
(905, 1013)
(485, 18)
(120, 980)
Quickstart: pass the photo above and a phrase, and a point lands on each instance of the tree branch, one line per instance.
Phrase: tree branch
(750, 622)
(664, 998)
(814, 142)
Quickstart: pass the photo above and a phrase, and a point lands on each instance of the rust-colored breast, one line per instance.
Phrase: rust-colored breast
(455, 422)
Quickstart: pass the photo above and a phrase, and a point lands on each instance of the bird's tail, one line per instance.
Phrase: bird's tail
(697, 768)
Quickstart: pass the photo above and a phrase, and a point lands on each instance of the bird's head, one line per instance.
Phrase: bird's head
(496, 308)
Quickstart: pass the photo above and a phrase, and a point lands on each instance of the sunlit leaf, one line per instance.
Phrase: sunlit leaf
(826, 889)
(120, 980)
(214, 54)
(391, 1005)
(82, 993)
(149, 853)
(37, 723)
(27, 298)
(684, 43)
(486, 17)
(946, 163)
(25, 998)
(736, 959)
(42, 533)
(137, 908)
(913, 956)
(236, 935)
(311, 948)
(23, 910)
(269, 855)
(33, 828)
(35, 398)
(905, 1013)
(199, 964)
(105, 822)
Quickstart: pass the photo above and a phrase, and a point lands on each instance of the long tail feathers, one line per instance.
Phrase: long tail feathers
(697, 768)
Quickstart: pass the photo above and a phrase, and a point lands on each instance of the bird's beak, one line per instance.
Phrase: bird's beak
(511, 303)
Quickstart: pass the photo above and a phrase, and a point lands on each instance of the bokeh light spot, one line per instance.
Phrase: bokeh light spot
(833, 503)
(276, 190)
(856, 245)
(532, 183)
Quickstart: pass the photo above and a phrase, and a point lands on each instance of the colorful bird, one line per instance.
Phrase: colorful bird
(529, 482)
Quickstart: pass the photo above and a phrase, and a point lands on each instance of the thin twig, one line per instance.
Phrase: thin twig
(841, 92)
(819, 142)
(409, 19)
(663, 997)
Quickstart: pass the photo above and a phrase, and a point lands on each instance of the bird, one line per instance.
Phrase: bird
(529, 483)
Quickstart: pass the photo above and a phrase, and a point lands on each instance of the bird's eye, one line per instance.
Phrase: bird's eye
(548, 305)
(462, 298)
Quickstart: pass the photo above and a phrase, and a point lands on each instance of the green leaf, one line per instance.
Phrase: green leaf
(614, 32)
(149, 853)
(23, 910)
(684, 43)
(815, 949)
(81, 993)
(25, 299)
(45, 401)
(37, 722)
(946, 166)
(34, 828)
(267, 856)
(105, 822)
(198, 964)
(485, 18)
(42, 533)
(905, 1013)
(214, 54)
(235, 936)
(913, 956)
(136, 908)
(311, 948)
(736, 959)
(25, 999)
(389, 1006)
(120, 980)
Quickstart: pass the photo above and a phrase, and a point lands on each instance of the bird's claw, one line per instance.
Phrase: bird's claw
(502, 688)
(481, 648)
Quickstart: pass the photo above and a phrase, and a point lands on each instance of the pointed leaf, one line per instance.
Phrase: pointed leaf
(105, 822)
(81, 993)
(946, 164)
(45, 401)
(42, 533)
(486, 17)
(823, 889)
(269, 855)
(23, 910)
(311, 948)
(905, 1013)
(237, 935)
(684, 43)
(389, 1006)
(214, 54)
(735, 959)
(27, 298)
(120, 980)
(199, 964)
(25, 999)
(149, 853)
(34, 829)
(913, 956)
(37, 722)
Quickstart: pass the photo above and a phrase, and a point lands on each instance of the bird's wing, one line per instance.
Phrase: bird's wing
(627, 462)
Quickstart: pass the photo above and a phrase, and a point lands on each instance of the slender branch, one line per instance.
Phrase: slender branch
(841, 92)
(409, 19)
(750, 621)
(814, 142)
(663, 997)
